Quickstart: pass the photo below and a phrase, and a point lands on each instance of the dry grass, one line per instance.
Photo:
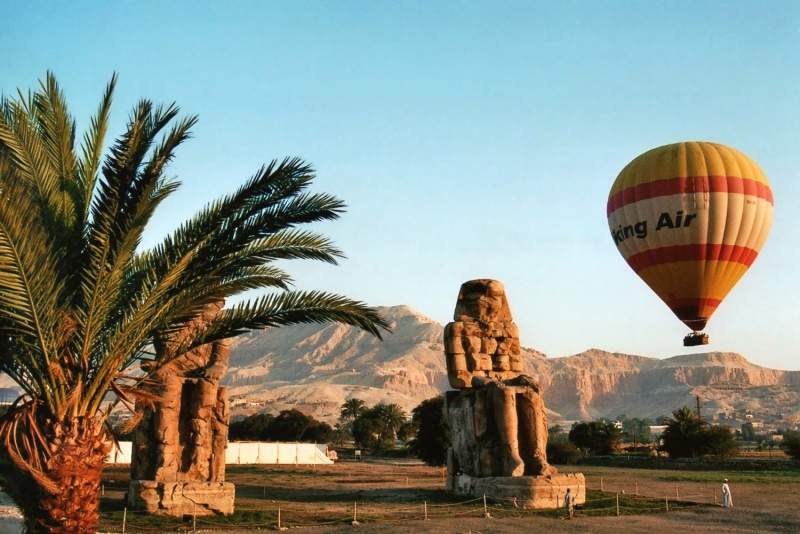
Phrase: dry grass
(393, 497)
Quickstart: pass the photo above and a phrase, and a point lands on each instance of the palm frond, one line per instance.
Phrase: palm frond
(92, 151)
(293, 307)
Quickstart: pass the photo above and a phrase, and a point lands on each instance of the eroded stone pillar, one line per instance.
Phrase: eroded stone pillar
(178, 462)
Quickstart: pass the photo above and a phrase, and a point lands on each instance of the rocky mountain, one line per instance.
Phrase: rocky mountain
(597, 384)
(315, 368)
(318, 367)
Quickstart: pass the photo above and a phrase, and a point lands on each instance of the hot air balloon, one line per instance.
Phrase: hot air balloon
(690, 219)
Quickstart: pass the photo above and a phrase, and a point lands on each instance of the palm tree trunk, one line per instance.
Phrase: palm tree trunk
(75, 463)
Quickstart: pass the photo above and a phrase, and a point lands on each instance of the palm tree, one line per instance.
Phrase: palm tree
(685, 433)
(80, 303)
(352, 408)
(393, 416)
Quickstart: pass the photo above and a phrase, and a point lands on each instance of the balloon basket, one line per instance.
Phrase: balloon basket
(695, 339)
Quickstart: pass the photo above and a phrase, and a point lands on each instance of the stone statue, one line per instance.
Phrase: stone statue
(178, 462)
(483, 355)
(496, 415)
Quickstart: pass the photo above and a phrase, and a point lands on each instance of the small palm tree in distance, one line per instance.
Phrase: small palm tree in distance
(352, 408)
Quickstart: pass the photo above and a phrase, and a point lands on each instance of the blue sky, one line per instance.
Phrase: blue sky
(469, 139)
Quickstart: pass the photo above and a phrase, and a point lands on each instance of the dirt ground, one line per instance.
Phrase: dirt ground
(393, 498)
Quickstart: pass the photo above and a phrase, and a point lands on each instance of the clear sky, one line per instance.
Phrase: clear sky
(469, 139)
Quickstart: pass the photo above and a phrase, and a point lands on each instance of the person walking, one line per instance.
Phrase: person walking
(569, 503)
(727, 501)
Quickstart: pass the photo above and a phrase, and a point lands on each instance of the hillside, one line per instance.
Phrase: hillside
(317, 367)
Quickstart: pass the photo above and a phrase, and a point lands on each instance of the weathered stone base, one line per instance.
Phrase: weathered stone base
(533, 492)
(181, 498)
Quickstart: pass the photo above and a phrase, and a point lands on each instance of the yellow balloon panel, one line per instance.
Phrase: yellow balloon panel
(689, 219)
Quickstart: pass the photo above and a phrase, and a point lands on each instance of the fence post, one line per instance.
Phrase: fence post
(406, 482)
(124, 517)
(715, 495)
(666, 502)
(425, 504)
(279, 518)
(601, 484)
(355, 513)
(677, 497)
(637, 488)
(485, 510)
(617, 504)
(194, 517)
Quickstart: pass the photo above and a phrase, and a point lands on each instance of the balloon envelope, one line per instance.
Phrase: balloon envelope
(690, 218)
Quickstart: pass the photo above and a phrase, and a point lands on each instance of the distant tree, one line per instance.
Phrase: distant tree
(352, 408)
(560, 450)
(433, 434)
(370, 432)
(251, 428)
(685, 434)
(748, 432)
(407, 431)
(791, 444)
(770, 445)
(718, 441)
(288, 426)
(636, 431)
(342, 433)
(556, 432)
(596, 437)
(317, 432)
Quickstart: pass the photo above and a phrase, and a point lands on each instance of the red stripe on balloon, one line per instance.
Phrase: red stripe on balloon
(693, 302)
(699, 252)
(686, 185)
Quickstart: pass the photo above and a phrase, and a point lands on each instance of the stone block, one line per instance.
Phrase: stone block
(496, 329)
(478, 361)
(471, 344)
(177, 499)
(488, 345)
(511, 330)
(544, 492)
(500, 363)
(453, 345)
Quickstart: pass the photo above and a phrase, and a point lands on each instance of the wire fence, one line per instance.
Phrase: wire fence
(257, 508)
(689, 492)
